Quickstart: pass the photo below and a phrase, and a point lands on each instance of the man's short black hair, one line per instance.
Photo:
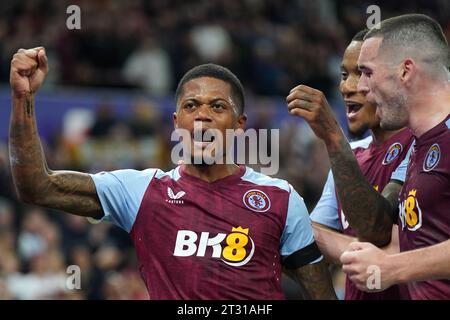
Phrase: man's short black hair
(359, 36)
(218, 72)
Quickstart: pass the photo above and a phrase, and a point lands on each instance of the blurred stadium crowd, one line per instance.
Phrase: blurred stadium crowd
(144, 47)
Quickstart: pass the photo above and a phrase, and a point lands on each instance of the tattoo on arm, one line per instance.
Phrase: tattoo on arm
(73, 192)
(29, 106)
(315, 279)
(367, 211)
(64, 190)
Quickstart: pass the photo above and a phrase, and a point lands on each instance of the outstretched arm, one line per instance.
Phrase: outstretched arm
(367, 211)
(330, 242)
(333, 244)
(427, 263)
(35, 183)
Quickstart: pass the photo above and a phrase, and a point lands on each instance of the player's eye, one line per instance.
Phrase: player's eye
(218, 106)
(344, 75)
(189, 105)
(366, 73)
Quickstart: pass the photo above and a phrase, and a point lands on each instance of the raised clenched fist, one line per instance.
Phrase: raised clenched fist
(28, 71)
(311, 104)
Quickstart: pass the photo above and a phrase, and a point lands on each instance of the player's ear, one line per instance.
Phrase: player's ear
(175, 120)
(407, 70)
(241, 121)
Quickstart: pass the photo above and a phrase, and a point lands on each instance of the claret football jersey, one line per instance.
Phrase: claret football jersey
(425, 203)
(380, 164)
(197, 240)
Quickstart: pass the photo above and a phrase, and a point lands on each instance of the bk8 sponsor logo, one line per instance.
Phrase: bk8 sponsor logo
(410, 212)
(237, 251)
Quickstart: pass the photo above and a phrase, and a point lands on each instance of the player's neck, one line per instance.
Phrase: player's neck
(428, 108)
(380, 136)
(210, 173)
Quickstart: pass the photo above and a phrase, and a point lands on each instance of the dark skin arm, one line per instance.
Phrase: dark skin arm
(315, 279)
(35, 183)
(368, 212)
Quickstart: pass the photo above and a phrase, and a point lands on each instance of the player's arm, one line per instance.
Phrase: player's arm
(327, 228)
(326, 225)
(427, 263)
(367, 211)
(35, 183)
(315, 279)
(302, 259)
(333, 244)
(330, 242)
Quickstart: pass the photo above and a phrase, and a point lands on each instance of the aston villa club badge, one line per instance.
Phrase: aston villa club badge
(432, 158)
(256, 200)
(392, 153)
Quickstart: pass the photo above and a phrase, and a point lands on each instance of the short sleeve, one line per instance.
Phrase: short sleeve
(399, 173)
(298, 247)
(326, 210)
(120, 193)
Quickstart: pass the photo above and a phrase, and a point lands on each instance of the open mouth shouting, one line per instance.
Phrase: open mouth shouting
(353, 109)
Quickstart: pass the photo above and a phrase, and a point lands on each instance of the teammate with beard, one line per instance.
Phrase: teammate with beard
(404, 63)
(382, 158)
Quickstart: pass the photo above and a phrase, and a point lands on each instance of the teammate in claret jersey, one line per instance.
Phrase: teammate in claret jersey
(218, 231)
(404, 63)
(425, 203)
(382, 158)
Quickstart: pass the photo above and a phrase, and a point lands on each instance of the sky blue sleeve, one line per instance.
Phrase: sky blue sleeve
(298, 232)
(400, 173)
(326, 210)
(120, 193)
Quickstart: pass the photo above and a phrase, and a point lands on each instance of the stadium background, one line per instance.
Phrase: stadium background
(107, 104)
